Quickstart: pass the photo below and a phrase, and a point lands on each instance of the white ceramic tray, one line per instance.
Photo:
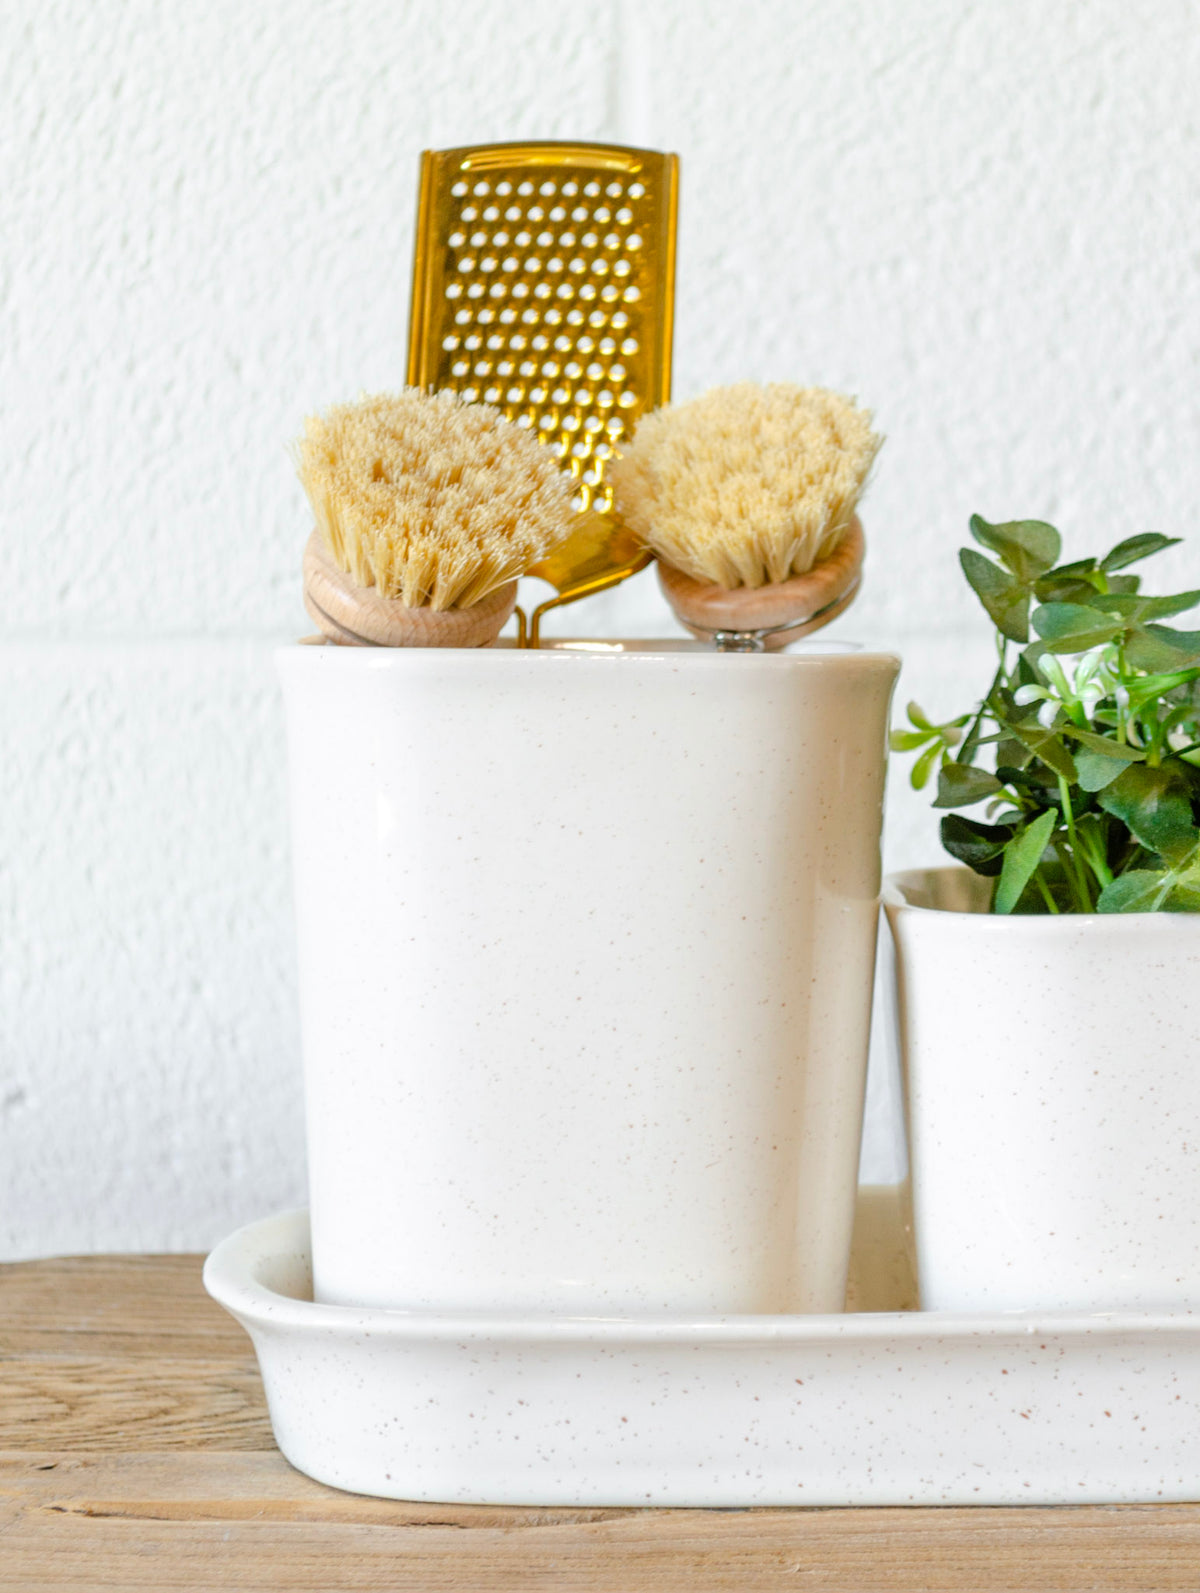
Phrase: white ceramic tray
(882, 1407)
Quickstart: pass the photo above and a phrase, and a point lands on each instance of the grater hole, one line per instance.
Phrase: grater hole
(474, 341)
(525, 188)
(485, 315)
(475, 291)
(497, 290)
(583, 398)
(600, 267)
(467, 263)
(634, 241)
(627, 400)
(585, 345)
(450, 343)
(525, 420)
(508, 316)
(621, 268)
(629, 346)
(558, 214)
(478, 239)
(607, 346)
(547, 189)
(620, 320)
(602, 214)
(603, 450)
(459, 190)
(632, 295)
(496, 341)
(614, 190)
(454, 290)
(593, 423)
(511, 263)
(573, 370)
(595, 372)
(610, 292)
(491, 214)
(617, 372)
(533, 265)
(500, 239)
(515, 395)
(482, 368)
(590, 240)
(612, 240)
(592, 190)
(597, 318)
(457, 239)
(604, 398)
(570, 423)
(492, 395)
(523, 240)
(567, 241)
(520, 290)
(462, 317)
(471, 394)
(624, 215)
(570, 188)
(636, 190)
(588, 291)
(579, 213)
(460, 368)
(469, 213)
(504, 187)
(550, 368)
(505, 368)
(574, 317)
(564, 291)
(481, 189)
(535, 213)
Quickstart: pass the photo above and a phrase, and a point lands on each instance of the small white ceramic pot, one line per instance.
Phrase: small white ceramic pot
(586, 948)
(1052, 1078)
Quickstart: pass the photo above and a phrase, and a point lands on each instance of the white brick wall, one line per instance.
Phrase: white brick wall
(981, 216)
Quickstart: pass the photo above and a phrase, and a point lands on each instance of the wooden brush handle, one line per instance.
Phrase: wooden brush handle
(356, 616)
(787, 609)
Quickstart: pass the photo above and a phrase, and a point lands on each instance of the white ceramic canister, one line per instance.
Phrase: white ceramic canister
(1052, 1083)
(586, 949)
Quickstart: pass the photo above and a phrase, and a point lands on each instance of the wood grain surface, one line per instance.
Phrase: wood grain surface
(136, 1453)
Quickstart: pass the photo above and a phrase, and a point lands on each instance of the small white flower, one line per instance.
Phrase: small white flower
(1024, 695)
(1048, 713)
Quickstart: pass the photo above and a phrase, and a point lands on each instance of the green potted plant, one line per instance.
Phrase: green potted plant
(1049, 990)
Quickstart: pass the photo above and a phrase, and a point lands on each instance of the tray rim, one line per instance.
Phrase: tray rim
(231, 1278)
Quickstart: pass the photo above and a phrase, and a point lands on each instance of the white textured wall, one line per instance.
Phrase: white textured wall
(981, 216)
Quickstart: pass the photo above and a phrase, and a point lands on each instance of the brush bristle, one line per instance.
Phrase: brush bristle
(748, 484)
(433, 501)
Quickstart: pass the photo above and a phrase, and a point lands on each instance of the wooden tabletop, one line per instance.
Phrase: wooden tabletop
(135, 1452)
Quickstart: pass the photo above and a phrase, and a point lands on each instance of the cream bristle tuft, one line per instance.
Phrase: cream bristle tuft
(431, 500)
(747, 484)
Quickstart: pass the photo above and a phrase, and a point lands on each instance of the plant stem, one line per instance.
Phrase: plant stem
(1051, 904)
(1074, 871)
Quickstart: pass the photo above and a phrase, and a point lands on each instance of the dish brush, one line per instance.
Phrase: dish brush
(427, 510)
(747, 497)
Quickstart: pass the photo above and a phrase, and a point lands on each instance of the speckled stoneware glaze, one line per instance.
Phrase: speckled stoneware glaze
(1053, 1099)
(586, 942)
(898, 1408)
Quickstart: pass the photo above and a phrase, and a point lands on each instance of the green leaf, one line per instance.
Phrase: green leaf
(1183, 899)
(1135, 892)
(1046, 745)
(961, 784)
(1155, 805)
(1006, 601)
(1135, 548)
(1159, 648)
(1074, 627)
(917, 716)
(979, 846)
(919, 773)
(1136, 609)
(908, 740)
(1027, 547)
(1021, 856)
(1095, 770)
(1056, 588)
(1105, 745)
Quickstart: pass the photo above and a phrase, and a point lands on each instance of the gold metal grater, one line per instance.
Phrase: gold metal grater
(544, 283)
